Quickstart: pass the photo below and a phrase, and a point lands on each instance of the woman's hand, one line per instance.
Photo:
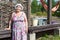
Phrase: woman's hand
(7, 29)
(26, 30)
(46, 7)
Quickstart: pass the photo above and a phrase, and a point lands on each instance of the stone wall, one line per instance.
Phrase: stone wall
(5, 12)
(6, 8)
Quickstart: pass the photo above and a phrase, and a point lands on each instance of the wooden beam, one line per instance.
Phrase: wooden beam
(7, 33)
(43, 28)
(49, 12)
(29, 12)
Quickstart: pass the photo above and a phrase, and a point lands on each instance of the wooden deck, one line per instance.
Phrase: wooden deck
(7, 33)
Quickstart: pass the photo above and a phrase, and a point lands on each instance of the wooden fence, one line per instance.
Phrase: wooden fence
(7, 33)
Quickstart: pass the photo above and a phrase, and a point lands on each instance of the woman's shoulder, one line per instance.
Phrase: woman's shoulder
(13, 13)
(22, 12)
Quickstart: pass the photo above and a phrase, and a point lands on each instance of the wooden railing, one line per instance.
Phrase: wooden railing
(7, 33)
(43, 28)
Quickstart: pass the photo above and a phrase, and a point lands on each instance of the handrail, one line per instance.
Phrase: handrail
(43, 28)
(7, 33)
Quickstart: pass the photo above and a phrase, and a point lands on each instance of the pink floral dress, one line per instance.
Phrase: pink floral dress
(19, 27)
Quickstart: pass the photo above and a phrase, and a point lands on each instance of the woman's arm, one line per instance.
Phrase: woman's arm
(56, 7)
(26, 22)
(46, 7)
(9, 23)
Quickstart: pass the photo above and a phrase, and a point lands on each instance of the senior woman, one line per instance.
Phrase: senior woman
(20, 25)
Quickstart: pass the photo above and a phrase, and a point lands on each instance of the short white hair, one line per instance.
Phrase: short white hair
(19, 5)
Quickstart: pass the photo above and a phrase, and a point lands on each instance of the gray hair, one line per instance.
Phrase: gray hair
(19, 5)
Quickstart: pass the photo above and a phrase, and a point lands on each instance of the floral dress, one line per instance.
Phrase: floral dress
(18, 27)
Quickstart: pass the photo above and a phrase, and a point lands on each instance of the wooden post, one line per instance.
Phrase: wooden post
(29, 12)
(32, 36)
(49, 13)
(57, 31)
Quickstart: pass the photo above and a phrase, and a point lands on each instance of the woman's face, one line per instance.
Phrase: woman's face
(18, 8)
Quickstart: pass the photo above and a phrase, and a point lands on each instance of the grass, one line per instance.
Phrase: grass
(49, 37)
(40, 14)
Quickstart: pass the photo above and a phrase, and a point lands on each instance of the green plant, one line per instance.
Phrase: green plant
(49, 37)
(40, 14)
